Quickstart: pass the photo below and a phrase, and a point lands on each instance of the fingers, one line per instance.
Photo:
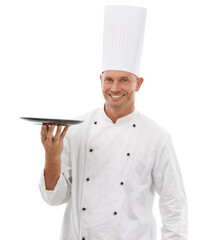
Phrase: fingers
(43, 133)
(47, 133)
(64, 132)
(57, 135)
(50, 132)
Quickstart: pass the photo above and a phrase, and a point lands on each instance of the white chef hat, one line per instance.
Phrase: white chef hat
(123, 35)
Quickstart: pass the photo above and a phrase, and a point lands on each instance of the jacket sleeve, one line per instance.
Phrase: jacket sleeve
(62, 191)
(172, 198)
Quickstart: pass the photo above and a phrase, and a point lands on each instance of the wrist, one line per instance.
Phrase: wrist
(52, 158)
(52, 162)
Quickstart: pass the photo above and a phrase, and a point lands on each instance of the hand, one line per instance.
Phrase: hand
(53, 144)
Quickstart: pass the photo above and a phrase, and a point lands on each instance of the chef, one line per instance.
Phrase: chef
(108, 168)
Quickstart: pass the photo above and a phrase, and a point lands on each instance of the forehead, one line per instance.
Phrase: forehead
(117, 74)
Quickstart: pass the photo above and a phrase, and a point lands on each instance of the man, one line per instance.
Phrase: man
(108, 168)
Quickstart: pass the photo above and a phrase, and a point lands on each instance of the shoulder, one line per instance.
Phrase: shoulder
(88, 115)
(86, 118)
(150, 128)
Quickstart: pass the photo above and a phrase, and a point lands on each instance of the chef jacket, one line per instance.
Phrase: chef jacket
(109, 175)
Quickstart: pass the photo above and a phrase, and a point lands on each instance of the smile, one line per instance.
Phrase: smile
(115, 96)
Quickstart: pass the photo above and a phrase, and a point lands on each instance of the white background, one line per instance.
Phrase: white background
(50, 60)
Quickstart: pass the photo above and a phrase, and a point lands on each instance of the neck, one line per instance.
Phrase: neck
(115, 114)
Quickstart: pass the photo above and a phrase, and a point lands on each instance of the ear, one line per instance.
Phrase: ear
(139, 83)
(101, 79)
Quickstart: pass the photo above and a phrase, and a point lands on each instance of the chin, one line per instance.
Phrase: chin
(115, 106)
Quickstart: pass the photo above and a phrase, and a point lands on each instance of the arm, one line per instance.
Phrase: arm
(169, 185)
(55, 182)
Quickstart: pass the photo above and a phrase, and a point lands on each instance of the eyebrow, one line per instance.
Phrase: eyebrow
(119, 77)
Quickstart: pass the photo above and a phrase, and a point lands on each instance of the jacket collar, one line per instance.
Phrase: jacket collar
(128, 118)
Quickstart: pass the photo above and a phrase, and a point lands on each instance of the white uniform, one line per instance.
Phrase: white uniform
(109, 176)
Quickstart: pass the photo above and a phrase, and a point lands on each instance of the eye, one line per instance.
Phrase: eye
(107, 80)
(124, 80)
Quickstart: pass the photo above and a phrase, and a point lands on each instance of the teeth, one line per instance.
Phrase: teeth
(116, 96)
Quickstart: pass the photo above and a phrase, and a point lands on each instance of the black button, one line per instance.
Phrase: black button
(87, 179)
(128, 154)
(83, 238)
(83, 209)
(134, 125)
(91, 150)
(95, 122)
(121, 183)
(115, 213)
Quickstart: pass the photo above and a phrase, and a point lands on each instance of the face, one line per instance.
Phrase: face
(119, 89)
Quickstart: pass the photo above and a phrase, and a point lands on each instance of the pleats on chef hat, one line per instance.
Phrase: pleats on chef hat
(123, 36)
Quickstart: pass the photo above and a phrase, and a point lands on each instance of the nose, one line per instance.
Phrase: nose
(115, 87)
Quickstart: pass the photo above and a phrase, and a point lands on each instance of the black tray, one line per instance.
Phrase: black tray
(49, 121)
